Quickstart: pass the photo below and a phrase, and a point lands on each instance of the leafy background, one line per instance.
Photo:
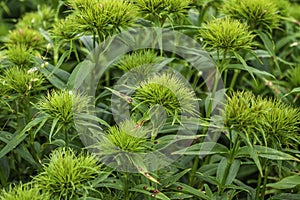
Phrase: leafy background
(253, 43)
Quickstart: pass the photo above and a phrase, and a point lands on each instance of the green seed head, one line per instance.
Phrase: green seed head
(43, 18)
(267, 121)
(160, 10)
(67, 175)
(62, 104)
(19, 55)
(23, 192)
(22, 81)
(102, 17)
(169, 91)
(127, 137)
(226, 34)
(259, 14)
(137, 59)
(29, 38)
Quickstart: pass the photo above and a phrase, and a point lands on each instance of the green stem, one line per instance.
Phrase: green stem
(126, 186)
(263, 191)
(194, 169)
(234, 145)
(65, 130)
(258, 187)
(234, 78)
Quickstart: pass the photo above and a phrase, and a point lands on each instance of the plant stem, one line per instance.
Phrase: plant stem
(126, 197)
(258, 187)
(65, 130)
(234, 78)
(234, 145)
(263, 191)
(194, 169)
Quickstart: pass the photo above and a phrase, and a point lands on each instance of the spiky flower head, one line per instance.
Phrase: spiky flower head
(60, 105)
(136, 59)
(67, 175)
(267, 121)
(42, 18)
(102, 17)
(160, 10)
(169, 91)
(21, 81)
(19, 55)
(64, 28)
(29, 38)
(127, 137)
(226, 34)
(259, 14)
(23, 192)
(293, 76)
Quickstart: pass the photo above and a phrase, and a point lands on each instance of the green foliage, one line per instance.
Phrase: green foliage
(30, 38)
(101, 17)
(60, 105)
(293, 76)
(169, 91)
(144, 116)
(67, 175)
(23, 192)
(127, 137)
(19, 55)
(266, 121)
(43, 18)
(161, 10)
(226, 34)
(22, 81)
(137, 59)
(259, 14)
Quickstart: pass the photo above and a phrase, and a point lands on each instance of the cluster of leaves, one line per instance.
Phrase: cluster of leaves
(150, 103)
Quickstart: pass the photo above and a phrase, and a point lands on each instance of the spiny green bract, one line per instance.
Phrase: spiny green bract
(21, 81)
(160, 10)
(226, 34)
(64, 28)
(267, 121)
(43, 18)
(23, 192)
(293, 76)
(127, 137)
(62, 104)
(30, 38)
(102, 17)
(169, 91)
(19, 55)
(67, 175)
(136, 59)
(259, 14)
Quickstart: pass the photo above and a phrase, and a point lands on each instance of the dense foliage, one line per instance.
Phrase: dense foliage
(221, 124)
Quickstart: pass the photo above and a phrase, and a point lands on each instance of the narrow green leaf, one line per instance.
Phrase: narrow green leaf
(190, 190)
(286, 183)
(19, 137)
(173, 178)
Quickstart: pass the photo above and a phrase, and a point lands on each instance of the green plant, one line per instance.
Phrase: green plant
(227, 35)
(67, 175)
(266, 121)
(30, 38)
(102, 18)
(137, 59)
(258, 14)
(168, 91)
(60, 107)
(42, 18)
(23, 192)
(21, 82)
(159, 11)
